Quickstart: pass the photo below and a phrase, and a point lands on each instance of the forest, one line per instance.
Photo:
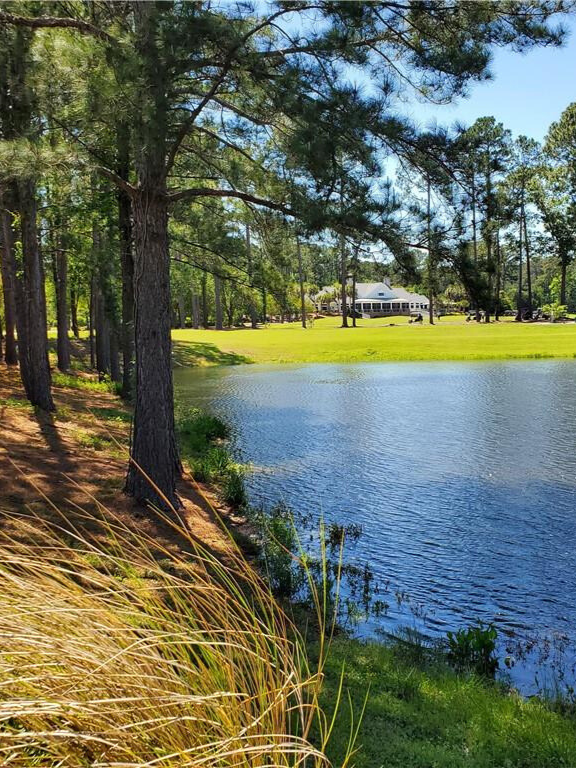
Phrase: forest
(214, 164)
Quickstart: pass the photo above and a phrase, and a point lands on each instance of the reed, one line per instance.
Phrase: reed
(118, 650)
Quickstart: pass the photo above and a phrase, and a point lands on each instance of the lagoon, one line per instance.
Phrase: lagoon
(462, 476)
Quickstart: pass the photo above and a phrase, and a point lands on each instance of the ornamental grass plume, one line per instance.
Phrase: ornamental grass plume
(115, 650)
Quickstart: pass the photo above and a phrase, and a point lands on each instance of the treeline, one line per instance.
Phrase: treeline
(165, 163)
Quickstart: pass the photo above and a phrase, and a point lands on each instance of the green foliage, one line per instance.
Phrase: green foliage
(422, 714)
(474, 649)
(556, 310)
(200, 437)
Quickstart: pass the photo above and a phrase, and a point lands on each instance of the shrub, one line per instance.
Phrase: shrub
(474, 649)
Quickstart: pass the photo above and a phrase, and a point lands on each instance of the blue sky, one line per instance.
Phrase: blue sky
(527, 93)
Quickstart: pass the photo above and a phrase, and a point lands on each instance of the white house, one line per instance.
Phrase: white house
(374, 300)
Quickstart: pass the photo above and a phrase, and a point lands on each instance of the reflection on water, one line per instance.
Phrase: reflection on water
(463, 476)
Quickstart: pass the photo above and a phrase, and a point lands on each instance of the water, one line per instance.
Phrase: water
(463, 477)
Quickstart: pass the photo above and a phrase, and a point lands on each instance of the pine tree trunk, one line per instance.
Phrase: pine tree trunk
(91, 321)
(102, 336)
(343, 281)
(8, 265)
(33, 336)
(528, 264)
(252, 307)
(114, 346)
(498, 275)
(301, 282)
(74, 312)
(430, 257)
(204, 301)
(61, 282)
(154, 451)
(127, 268)
(218, 304)
(519, 300)
(195, 312)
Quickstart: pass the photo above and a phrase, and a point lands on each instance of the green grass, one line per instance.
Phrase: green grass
(375, 340)
(418, 717)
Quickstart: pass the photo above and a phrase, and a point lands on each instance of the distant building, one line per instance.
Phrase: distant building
(374, 300)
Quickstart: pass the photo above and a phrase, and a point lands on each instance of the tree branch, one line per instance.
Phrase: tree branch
(187, 194)
(52, 22)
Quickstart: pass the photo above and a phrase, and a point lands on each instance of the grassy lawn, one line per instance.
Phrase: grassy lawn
(425, 718)
(376, 340)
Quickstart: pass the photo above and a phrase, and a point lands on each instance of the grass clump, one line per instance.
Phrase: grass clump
(201, 437)
(116, 651)
(71, 381)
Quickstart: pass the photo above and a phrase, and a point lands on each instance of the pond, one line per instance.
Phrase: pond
(462, 476)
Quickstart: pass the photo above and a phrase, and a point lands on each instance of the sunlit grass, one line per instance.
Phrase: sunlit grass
(419, 716)
(451, 338)
(117, 651)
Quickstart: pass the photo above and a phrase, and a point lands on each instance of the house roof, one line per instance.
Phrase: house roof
(376, 292)
(384, 292)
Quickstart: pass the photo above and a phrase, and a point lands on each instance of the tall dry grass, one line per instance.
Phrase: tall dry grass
(118, 651)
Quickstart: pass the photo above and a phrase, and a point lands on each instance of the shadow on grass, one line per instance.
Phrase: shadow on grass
(193, 353)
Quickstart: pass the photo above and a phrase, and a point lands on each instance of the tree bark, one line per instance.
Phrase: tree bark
(91, 321)
(218, 304)
(154, 464)
(252, 304)
(33, 336)
(74, 311)
(102, 335)
(301, 282)
(498, 274)
(430, 258)
(8, 265)
(519, 299)
(343, 281)
(61, 284)
(195, 312)
(204, 301)
(528, 265)
(126, 261)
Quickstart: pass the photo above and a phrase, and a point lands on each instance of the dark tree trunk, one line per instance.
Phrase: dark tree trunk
(91, 321)
(8, 265)
(218, 304)
(528, 264)
(74, 311)
(195, 312)
(430, 257)
(114, 346)
(33, 336)
(204, 301)
(301, 282)
(127, 269)
(102, 335)
(265, 305)
(252, 307)
(343, 281)
(181, 312)
(520, 300)
(155, 465)
(498, 275)
(61, 284)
